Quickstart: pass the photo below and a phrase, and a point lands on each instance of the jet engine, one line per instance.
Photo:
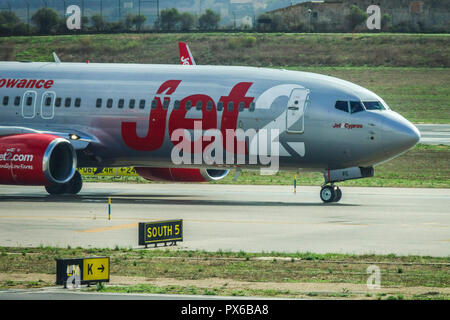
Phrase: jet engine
(36, 159)
(181, 174)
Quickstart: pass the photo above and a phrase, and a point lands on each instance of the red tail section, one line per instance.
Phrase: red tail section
(186, 57)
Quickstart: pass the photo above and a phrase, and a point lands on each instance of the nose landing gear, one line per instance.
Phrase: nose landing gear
(330, 193)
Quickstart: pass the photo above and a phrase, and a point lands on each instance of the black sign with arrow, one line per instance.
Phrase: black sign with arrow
(83, 270)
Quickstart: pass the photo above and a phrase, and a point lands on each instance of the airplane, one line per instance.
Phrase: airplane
(189, 123)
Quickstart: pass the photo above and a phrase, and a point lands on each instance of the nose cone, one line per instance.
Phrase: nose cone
(399, 135)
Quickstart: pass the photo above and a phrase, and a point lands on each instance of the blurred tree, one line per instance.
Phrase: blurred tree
(117, 26)
(356, 17)
(169, 19)
(98, 22)
(84, 23)
(46, 20)
(129, 21)
(187, 21)
(139, 21)
(386, 22)
(209, 20)
(10, 24)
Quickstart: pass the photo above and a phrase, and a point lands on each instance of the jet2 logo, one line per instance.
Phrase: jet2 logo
(211, 143)
(154, 138)
(185, 61)
(14, 156)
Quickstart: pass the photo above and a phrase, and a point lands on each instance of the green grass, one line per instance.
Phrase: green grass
(193, 290)
(232, 267)
(243, 266)
(257, 49)
(224, 291)
(409, 71)
(424, 166)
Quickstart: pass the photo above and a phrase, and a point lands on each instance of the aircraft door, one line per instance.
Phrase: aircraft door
(295, 116)
(48, 105)
(29, 104)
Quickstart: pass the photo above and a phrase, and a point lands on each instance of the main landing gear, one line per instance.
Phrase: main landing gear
(330, 193)
(72, 187)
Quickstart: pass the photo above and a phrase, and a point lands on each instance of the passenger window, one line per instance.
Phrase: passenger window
(98, 104)
(142, 104)
(188, 105)
(230, 106)
(29, 101)
(252, 107)
(17, 101)
(48, 101)
(355, 106)
(154, 104)
(131, 104)
(121, 103)
(176, 105)
(199, 105)
(5, 100)
(109, 103)
(166, 104)
(209, 105)
(373, 105)
(77, 102)
(341, 105)
(241, 106)
(67, 102)
(220, 106)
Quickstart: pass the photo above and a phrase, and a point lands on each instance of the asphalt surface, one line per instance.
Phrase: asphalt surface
(57, 293)
(434, 133)
(233, 217)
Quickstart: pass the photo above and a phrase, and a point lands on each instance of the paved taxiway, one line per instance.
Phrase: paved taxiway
(233, 217)
(434, 133)
(57, 293)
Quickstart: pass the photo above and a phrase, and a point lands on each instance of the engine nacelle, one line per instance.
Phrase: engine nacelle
(36, 159)
(347, 174)
(181, 174)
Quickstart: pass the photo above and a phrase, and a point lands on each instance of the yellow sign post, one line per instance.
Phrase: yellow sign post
(295, 183)
(95, 269)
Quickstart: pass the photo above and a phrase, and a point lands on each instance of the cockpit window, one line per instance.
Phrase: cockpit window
(355, 106)
(341, 105)
(373, 105)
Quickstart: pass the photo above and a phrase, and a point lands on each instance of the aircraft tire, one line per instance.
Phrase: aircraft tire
(72, 187)
(328, 194)
(56, 189)
(338, 194)
(75, 184)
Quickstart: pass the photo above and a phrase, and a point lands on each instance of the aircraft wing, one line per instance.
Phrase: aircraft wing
(78, 139)
(186, 57)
